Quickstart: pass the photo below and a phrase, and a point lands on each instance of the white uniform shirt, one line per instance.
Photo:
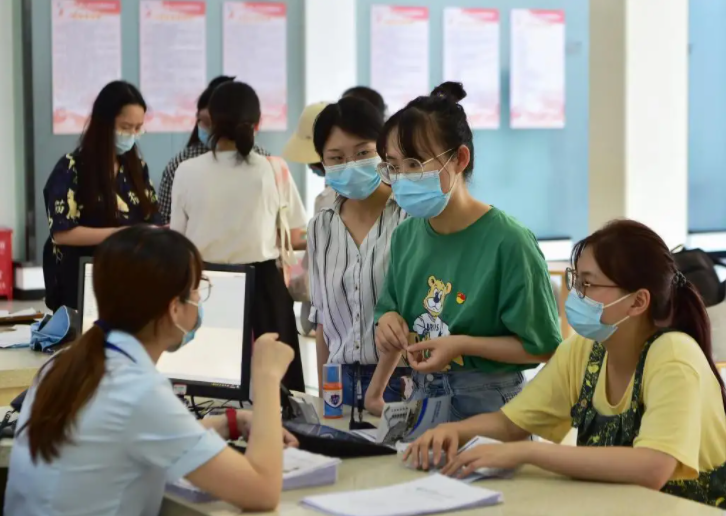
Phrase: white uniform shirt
(129, 440)
(229, 207)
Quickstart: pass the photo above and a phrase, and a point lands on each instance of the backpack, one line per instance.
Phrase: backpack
(699, 268)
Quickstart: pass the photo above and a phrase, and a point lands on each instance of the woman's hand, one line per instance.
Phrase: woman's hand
(432, 356)
(244, 422)
(271, 357)
(504, 456)
(443, 438)
(392, 333)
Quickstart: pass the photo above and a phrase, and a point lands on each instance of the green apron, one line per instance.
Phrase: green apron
(621, 430)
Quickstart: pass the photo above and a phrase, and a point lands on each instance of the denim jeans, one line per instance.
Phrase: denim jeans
(473, 392)
(394, 389)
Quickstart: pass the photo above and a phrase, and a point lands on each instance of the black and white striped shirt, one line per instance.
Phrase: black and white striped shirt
(346, 281)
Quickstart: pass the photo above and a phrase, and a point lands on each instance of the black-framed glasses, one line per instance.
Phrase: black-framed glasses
(573, 280)
(204, 289)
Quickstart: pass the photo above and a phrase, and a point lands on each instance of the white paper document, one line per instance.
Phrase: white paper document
(255, 51)
(428, 495)
(86, 55)
(479, 474)
(300, 469)
(538, 69)
(400, 53)
(471, 57)
(173, 46)
(15, 337)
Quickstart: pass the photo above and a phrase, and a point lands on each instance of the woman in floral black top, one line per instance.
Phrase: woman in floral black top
(97, 189)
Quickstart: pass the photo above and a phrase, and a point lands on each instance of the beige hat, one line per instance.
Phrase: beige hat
(300, 148)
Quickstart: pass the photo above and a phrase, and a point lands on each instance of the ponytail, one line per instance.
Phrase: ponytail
(690, 316)
(244, 138)
(69, 383)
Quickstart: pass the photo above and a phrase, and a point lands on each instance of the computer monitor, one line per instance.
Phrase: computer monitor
(216, 364)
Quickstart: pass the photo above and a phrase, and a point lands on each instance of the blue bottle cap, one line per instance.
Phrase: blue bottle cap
(332, 373)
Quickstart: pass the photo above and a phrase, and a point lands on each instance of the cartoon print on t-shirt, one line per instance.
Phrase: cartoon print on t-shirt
(430, 326)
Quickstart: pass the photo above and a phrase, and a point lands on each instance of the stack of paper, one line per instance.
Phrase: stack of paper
(300, 469)
(429, 495)
(478, 474)
(304, 469)
(14, 337)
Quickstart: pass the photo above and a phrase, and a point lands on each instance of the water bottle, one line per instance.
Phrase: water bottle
(333, 391)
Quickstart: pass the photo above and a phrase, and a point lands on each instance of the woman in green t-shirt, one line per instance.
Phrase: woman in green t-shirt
(467, 299)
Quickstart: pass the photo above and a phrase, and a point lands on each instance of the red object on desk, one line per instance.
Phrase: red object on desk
(6, 263)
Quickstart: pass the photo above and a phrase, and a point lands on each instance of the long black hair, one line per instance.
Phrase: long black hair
(425, 121)
(97, 155)
(203, 103)
(235, 112)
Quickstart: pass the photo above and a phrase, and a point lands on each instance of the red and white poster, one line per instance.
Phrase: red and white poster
(173, 53)
(538, 69)
(255, 52)
(400, 53)
(471, 57)
(86, 55)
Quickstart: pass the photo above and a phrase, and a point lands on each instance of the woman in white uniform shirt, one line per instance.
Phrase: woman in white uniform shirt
(102, 431)
(228, 202)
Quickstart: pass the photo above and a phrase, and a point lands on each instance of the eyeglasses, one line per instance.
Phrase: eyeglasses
(343, 161)
(204, 289)
(138, 133)
(412, 168)
(572, 280)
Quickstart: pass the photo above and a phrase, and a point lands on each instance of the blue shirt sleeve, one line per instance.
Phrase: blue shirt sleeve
(163, 433)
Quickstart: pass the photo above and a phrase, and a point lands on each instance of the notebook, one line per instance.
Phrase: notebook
(300, 469)
(428, 495)
(479, 474)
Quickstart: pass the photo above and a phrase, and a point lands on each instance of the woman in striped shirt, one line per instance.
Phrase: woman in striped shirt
(348, 245)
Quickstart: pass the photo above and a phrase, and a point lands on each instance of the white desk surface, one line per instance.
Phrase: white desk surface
(532, 492)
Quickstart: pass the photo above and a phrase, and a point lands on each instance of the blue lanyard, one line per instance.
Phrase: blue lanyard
(114, 347)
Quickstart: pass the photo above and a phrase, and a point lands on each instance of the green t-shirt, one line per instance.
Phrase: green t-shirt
(488, 280)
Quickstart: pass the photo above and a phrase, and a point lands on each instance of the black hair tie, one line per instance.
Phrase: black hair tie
(104, 326)
(679, 279)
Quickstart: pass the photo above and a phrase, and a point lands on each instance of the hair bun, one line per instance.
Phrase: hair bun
(453, 90)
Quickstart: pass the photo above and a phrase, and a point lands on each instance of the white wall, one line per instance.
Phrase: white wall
(12, 171)
(657, 100)
(639, 114)
(331, 64)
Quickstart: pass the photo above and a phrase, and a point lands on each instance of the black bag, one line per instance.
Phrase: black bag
(699, 268)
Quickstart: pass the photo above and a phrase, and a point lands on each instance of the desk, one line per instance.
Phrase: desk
(532, 492)
(17, 370)
(559, 270)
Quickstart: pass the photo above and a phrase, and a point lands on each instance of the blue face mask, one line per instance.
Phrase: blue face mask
(124, 142)
(203, 135)
(189, 335)
(584, 315)
(356, 180)
(423, 197)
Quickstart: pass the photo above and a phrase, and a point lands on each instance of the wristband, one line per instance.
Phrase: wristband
(232, 424)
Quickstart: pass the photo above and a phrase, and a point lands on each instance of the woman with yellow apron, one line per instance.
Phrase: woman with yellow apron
(637, 382)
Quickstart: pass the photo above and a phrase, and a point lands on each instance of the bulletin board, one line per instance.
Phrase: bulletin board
(538, 176)
(157, 148)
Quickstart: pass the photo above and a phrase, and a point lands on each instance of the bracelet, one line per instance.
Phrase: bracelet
(232, 424)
